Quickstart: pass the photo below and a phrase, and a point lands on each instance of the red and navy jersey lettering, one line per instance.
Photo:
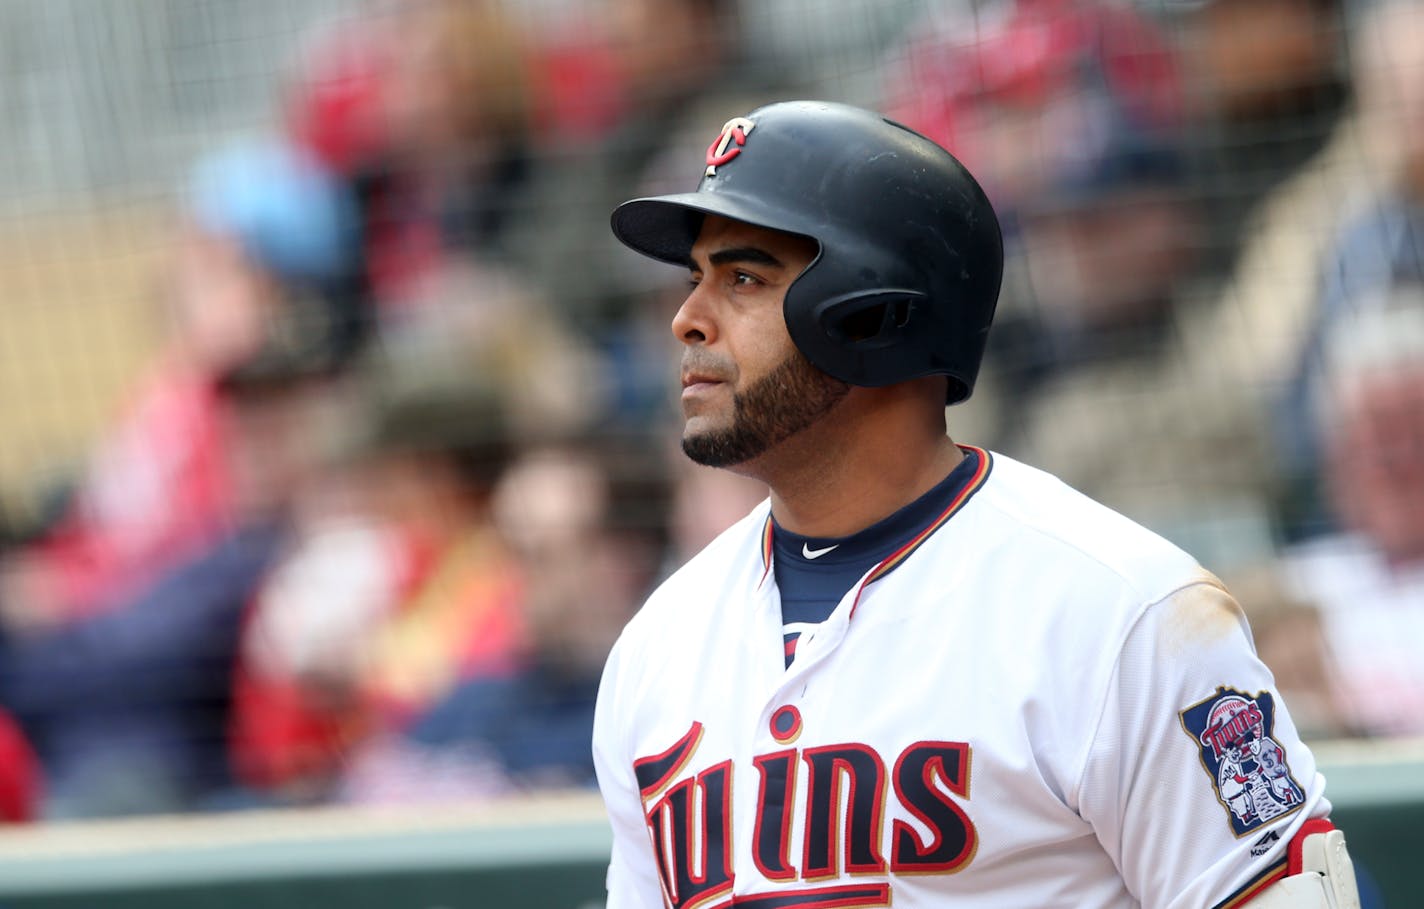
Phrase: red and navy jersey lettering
(694, 815)
(654, 771)
(917, 771)
(840, 816)
(853, 775)
(776, 810)
(861, 896)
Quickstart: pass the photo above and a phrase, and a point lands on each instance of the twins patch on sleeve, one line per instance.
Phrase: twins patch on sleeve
(1247, 767)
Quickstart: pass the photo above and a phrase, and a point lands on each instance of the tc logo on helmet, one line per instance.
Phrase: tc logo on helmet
(721, 150)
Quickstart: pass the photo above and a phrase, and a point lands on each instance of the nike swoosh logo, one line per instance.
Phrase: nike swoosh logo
(810, 553)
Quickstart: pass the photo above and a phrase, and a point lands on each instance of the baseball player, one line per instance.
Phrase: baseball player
(920, 674)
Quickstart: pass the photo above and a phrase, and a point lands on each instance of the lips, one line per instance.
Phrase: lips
(692, 379)
(702, 373)
(697, 384)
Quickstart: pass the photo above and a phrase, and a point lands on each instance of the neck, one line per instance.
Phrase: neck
(877, 451)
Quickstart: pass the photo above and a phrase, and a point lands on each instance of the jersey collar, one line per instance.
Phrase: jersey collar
(898, 557)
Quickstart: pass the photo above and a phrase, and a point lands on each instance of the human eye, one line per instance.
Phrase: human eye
(745, 279)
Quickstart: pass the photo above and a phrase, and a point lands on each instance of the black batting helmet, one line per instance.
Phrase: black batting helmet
(910, 258)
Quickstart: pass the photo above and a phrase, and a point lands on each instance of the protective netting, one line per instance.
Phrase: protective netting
(341, 435)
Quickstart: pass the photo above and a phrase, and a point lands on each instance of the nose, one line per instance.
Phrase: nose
(694, 322)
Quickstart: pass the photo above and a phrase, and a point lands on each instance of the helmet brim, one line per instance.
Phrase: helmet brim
(666, 227)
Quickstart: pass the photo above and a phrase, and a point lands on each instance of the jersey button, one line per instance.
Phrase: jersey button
(786, 724)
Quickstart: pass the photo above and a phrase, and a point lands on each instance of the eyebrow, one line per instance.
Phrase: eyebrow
(750, 254)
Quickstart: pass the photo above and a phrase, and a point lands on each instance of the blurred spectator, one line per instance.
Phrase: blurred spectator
(119, 667)
(296, 707)
(1106, 244)
(427, 108)
(264, 260)
(587, 522)
(705, 502)
(1195, 411)
(128, 708)
(672, 59)
(679, 72)
(1265, 83)
(495, 317)
(1378, 245)
(20, 784)
(1367, 579)
(396, 586)
(1020, 89)
(1218, 392)
(1273, 57)
(1074, 112)
(1290, 639)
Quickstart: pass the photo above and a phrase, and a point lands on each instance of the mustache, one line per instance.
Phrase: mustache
(701, 363)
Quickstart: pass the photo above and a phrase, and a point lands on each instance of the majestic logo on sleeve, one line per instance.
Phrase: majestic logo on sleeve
(1232, 730)
(722, 149)
(839, 818)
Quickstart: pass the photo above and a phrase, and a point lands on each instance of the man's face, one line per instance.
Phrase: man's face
(1377, 460)
(745, 386)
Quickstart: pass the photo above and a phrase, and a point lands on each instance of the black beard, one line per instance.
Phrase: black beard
(776, 407)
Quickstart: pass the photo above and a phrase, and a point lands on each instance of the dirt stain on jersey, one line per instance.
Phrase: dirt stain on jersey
(1199, 614)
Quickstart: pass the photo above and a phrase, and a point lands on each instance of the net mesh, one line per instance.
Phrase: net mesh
(339, 432)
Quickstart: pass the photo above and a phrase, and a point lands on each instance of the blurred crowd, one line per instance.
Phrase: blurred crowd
(407, 459)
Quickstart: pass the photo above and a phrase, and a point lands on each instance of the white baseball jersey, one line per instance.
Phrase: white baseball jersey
(1034, 703)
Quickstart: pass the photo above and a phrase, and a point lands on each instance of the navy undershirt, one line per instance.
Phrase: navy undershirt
(811, 587)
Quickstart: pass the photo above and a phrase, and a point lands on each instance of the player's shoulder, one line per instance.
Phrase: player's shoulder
(1051, 520)
(734, 557)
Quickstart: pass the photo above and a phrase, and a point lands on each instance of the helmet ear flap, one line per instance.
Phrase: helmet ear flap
(872, 337)
(870, 320)
(865, 337)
